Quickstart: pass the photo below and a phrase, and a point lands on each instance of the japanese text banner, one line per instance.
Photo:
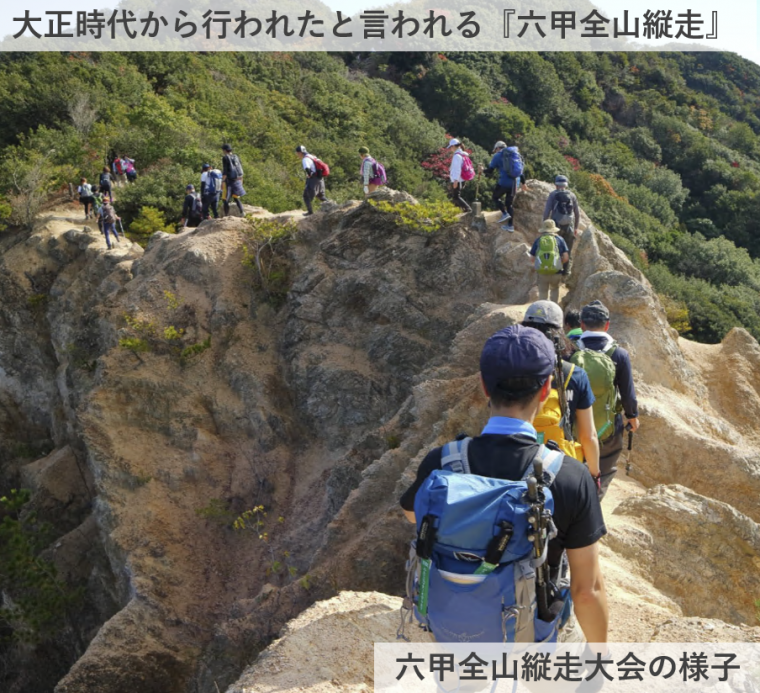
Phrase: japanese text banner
(424, 667)
(442, 25)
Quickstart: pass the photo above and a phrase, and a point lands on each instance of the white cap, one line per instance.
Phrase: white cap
(453, 143)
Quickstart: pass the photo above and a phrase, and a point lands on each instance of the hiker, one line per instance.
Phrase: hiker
(546, 317)
(211, 189)
(461, 171)
(120, 171)
(549, 255)
(109, 216)
(562, 207)
(232, 178)
(608, 367)
(192, 209)
(316, 170)
(573, 325)
(508, 162)
(85, 196)
(372, 173)
(129, 169)
(106, 182)
(516, 366)
(97, 207)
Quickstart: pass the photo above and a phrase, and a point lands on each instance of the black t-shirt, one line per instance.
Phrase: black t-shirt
(577, 512)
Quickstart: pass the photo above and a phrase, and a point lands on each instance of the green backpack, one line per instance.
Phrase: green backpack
(600, 369)
(548, 257)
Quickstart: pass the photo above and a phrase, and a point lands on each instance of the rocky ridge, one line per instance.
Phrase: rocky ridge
(320, 410)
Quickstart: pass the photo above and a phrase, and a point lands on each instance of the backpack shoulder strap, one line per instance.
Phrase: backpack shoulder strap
(570, 374)
(580, 344)
(610, 349)
(454, 456)
(552, 460)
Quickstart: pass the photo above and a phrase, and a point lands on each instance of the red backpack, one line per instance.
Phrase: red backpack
(323, 170)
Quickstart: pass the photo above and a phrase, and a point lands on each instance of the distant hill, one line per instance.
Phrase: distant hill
(662, 149)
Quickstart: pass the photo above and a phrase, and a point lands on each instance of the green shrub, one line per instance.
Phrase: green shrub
(149, 221)
(37, 601)
(426, 217)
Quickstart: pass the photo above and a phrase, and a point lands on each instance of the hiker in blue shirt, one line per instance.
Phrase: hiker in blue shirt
(549, 272)
(547, 317)
(506, 184)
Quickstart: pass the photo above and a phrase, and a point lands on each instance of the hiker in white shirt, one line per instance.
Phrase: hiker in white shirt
(455, 175)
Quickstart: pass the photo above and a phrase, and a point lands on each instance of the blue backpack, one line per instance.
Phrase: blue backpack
(214, 182)
(472, 569)
(512, 163)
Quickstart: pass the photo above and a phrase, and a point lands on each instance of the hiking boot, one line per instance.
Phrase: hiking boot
(308, 214)
(504, 217)
(508, 227)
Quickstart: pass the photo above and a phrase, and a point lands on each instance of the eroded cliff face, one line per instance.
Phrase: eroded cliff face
(319, 410)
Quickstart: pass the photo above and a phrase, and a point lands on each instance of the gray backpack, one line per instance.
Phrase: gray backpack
(562, 214)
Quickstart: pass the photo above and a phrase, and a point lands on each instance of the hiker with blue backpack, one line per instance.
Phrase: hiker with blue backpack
(192, 209)
(511, 168)
(499, 517)
(562, 207)
(316, 171)
(372, 172)
(211, 189)
(549, 254)
(460, 172)
(232, 180)
(608, 366)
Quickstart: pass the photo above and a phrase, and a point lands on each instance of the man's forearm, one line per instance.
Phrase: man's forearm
(590, 445)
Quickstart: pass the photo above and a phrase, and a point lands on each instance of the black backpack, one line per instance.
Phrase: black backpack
(236, 168)
(564, 203)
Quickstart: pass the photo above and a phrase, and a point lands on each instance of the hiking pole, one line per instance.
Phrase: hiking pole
(536, 520)
(121, 226)
(561, 393)
(629, 428)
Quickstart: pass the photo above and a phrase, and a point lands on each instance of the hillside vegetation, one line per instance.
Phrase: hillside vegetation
(662, 149)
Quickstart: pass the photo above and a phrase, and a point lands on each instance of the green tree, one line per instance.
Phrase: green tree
(450, 93)
(497, 121)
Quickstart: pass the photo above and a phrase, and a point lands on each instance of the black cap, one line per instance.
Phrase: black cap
(301, 149)
(226, 147)
(516, 352)
(595, 312)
